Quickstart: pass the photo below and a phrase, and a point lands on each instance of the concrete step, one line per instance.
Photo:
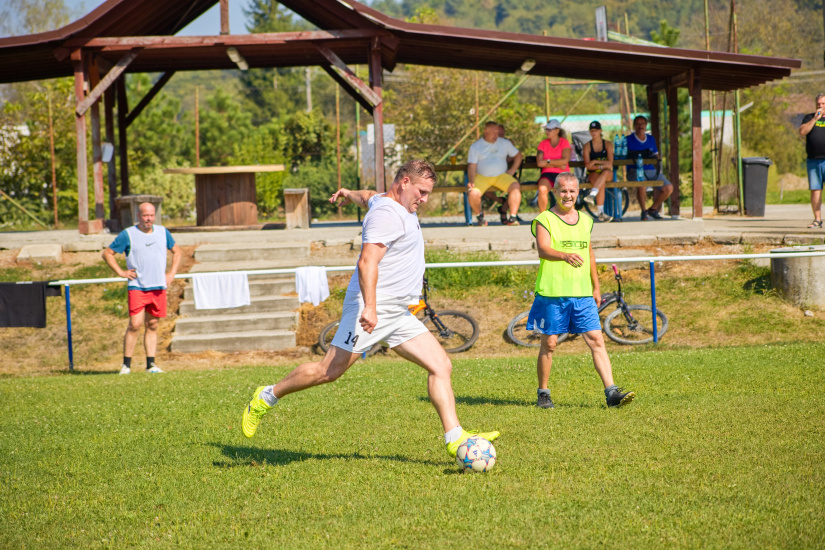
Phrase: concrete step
(252, 252)
(260, 304)
(275, 263)
(235, 341)
(265, 286)
(247, 322)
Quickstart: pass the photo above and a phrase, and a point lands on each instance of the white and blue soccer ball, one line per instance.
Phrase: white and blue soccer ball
(476, 455)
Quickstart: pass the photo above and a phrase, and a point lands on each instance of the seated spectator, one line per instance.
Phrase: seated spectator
(598, 160)
(487, 168)
(552, 157)
(642, 143)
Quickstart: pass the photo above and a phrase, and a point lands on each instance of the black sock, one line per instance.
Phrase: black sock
(128, 362)
(150, 362)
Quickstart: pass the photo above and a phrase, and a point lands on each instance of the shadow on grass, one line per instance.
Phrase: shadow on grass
(252, 456)
(467, 400)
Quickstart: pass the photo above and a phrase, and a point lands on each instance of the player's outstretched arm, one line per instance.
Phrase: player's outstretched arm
(346, 196)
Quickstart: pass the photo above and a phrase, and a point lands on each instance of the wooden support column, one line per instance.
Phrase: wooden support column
(653, 104)
(673, 150)
(696, 124)
(122, 112)
(97, 154)
(84, 226)
(109, 122)
(377, 113)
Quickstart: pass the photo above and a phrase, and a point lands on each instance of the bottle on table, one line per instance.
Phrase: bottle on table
(640, 168)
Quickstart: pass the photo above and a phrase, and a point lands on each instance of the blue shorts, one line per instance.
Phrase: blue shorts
(560, 315)
(816, 173)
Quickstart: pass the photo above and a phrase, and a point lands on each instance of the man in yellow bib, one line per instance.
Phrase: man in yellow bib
(566, 287)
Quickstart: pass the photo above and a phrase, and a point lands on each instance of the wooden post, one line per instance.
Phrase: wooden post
(80, 131)
(224, 16)
(51, 151)
(122, 113)
(378, 113)
(673, 130)
(197, 130)
(97, 153)
(653, 104)
(696, 123)
(109, 122)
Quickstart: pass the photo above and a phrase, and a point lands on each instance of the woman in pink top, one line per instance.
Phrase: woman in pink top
(552, 157)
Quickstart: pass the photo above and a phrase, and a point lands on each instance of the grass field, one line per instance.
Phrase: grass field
(722, 448)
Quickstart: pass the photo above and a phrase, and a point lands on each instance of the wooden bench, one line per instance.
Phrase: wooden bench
(531, 186)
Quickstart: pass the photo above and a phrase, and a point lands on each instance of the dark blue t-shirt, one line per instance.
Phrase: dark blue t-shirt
(647, 148)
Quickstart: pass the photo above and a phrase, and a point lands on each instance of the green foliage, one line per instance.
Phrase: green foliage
(457, 281)
(264, 146)
(321, 178)
(177, 190)
(223, 125)
(25, 161)
(767, 131)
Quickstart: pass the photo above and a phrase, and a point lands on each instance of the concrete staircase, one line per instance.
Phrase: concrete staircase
(268, 323)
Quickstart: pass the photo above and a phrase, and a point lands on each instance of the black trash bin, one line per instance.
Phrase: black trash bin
(755, 184)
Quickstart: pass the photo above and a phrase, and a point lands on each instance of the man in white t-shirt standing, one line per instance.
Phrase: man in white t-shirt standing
(487, 168)
(387, 279)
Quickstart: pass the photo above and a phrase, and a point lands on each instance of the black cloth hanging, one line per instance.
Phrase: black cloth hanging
(24, 304)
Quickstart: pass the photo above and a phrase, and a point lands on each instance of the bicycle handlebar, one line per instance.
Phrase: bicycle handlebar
(615, 271)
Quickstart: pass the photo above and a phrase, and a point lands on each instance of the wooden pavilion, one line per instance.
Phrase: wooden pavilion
(122, 36)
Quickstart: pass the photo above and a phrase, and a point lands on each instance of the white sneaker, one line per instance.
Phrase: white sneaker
(124, 369)
(590, 198)
(605, 217)
(155, 369)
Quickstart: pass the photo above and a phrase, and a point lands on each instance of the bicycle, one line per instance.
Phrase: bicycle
(455, 331)
(627, 324)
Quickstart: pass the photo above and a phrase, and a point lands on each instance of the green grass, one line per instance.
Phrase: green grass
(722, 448)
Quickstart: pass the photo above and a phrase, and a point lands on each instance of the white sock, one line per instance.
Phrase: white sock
(594, 192)
(600, 209)
(269, 397)
(453, 435)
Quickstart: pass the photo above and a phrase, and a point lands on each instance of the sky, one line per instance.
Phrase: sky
(206, 25)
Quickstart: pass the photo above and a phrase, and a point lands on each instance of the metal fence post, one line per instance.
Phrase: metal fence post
(69, 326)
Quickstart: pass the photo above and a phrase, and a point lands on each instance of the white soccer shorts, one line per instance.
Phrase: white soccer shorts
(395, 325)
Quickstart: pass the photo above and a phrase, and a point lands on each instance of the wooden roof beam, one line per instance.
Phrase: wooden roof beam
(344, 76)
(105, 82)
(155, 42)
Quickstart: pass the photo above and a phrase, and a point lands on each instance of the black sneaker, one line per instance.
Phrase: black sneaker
(512, 220)
(644, 215)
(617, 398)
(481, 221)
(502, 211)
(654, 214)
(545, 402)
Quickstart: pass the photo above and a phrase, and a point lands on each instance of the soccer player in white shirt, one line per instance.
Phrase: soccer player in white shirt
(375, 306)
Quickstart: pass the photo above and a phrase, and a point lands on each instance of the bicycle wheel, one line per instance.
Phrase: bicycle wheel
(459, 332)
(518, 334)
(591, 208)
(328, 333)
(634, 325)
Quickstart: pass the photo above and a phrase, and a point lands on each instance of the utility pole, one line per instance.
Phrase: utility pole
(309, 89)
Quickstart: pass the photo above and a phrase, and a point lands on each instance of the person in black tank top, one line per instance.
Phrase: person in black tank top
(598, 159)
(813, 129)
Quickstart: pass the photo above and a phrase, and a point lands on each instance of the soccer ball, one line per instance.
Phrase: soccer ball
(476, 455)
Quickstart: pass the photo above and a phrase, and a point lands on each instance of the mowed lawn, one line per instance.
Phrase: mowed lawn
(722, 448)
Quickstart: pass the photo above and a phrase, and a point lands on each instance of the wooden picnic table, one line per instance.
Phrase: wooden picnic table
(226, 195)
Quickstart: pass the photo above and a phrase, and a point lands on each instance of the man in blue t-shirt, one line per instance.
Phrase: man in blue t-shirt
(642, 143)
(145, 246)
(813, 129)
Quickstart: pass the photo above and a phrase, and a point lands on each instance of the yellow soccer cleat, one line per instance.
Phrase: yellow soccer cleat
(253, 412)
(452, 448)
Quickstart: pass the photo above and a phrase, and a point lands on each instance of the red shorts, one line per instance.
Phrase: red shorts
(154, 301)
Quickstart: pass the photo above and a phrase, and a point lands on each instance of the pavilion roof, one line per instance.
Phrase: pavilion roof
(349, 29)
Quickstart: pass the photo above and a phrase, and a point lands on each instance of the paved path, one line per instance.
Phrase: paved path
(782, 225)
